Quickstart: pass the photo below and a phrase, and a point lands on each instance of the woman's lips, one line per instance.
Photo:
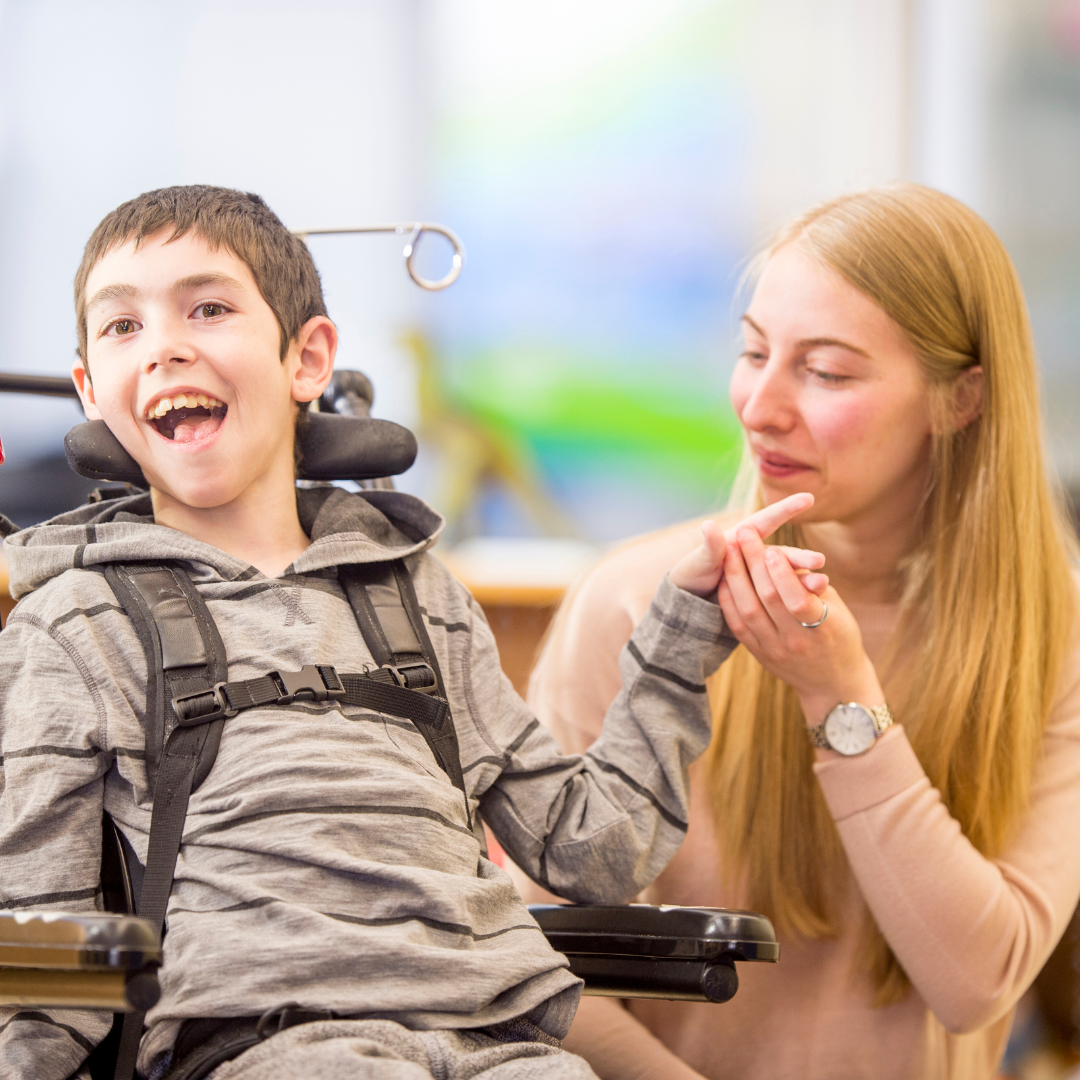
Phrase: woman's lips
(778, 466)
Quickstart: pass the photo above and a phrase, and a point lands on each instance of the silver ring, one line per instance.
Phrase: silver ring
(824, 616)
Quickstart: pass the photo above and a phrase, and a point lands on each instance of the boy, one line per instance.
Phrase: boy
(327, 861)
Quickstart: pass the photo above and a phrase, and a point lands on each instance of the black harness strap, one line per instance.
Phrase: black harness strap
(388, 614)
(184, 653)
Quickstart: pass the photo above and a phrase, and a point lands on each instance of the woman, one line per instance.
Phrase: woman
(918, 880)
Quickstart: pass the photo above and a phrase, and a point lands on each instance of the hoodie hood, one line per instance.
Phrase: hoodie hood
(344, 526)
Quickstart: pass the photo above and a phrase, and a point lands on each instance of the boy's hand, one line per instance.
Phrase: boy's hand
(701, 570)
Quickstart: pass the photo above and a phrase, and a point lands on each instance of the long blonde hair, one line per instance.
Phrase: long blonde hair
(988, 604)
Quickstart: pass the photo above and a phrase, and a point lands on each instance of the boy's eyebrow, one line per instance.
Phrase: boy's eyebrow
(809, 343)
(113, 292)
(201, 281)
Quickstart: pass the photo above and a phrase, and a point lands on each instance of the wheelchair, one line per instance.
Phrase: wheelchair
(109, 961)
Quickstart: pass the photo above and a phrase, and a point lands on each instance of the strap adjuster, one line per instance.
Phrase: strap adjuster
(414, 675)
(311, 682)
(202, 706)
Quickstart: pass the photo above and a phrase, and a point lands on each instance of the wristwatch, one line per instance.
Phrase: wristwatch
(852, 728)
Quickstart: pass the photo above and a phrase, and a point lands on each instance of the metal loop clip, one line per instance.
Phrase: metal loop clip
(415, 230)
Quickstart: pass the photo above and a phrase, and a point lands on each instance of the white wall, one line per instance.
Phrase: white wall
(315, 106)
(830, 97)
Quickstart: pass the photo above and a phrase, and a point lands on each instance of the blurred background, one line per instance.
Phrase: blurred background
(609, 166)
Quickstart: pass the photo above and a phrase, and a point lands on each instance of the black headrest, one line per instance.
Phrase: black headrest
(332, 447)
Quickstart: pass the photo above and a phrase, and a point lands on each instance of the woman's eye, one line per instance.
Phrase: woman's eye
(211, 311)
(829, 376)
(753, 356)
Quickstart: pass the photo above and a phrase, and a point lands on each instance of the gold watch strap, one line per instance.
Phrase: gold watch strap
(882, 722)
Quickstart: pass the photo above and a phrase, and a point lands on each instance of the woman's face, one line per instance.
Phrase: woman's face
(831, 395)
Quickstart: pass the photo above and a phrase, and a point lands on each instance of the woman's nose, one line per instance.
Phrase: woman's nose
(770, 403)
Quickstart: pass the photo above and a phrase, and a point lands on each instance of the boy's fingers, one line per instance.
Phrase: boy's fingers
(798, 600)
(766, 521)
(716, 543)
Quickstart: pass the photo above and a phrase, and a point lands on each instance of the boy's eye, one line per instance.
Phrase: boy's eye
(123, 326)
(211, 311)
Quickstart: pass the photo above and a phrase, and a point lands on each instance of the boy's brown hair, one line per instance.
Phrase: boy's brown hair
(239, 221)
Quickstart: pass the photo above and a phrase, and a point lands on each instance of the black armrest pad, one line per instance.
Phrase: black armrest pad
(661, 932)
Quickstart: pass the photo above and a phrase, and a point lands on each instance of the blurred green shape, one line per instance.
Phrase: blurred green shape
(570, 409)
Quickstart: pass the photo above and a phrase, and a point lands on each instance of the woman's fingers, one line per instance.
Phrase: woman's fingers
(815, 583)
(744, 593)
(802, 558)
(767, 520)
(733, 617)
(753, 552)
(792, 590)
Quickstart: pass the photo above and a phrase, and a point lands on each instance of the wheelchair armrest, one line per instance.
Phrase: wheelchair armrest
(78, 960)
(637, 950)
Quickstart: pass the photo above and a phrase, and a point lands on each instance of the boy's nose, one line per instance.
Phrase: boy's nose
(165, 348)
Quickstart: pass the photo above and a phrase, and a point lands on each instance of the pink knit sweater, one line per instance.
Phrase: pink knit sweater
(971, 933)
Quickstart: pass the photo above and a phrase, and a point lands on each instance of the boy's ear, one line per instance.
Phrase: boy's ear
(315, 349)
(81, 378)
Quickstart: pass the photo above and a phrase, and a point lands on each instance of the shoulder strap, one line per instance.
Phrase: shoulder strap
(184, 654)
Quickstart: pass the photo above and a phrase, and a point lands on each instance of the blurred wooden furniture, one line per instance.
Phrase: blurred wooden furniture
(519, 616)
(6, 603)
(519, 584)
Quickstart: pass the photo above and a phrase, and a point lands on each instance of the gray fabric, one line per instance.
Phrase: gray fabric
(327, 860)
(383, 1050)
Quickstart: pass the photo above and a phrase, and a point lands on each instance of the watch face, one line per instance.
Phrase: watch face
(850, 729)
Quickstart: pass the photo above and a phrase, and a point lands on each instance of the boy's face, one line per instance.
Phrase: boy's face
(184, 354)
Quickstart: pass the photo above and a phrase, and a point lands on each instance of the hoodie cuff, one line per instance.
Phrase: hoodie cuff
(676, 615)
(853, 784)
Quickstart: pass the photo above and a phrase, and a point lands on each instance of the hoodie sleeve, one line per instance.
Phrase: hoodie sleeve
(52, 724)
(599, 827)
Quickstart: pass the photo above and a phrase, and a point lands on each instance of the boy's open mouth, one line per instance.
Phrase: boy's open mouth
(187, 417)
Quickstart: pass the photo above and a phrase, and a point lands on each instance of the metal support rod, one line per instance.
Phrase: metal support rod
(48, 385)
(415, 229)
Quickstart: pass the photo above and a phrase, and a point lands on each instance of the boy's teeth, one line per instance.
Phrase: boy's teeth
(183, 401)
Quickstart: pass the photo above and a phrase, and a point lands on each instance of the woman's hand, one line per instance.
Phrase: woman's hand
(764, 602)
(700, 571)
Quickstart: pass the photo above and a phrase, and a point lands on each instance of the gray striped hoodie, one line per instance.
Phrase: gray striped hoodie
(326, 860)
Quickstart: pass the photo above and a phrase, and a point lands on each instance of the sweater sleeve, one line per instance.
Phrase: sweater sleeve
(599, 827)
(51, 735)
(971, 933)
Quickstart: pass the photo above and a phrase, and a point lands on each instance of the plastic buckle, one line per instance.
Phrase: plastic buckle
(289, 1015)
(310, 682)
(398, 672)
(184, 705)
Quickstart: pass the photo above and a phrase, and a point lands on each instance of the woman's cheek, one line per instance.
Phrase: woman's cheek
(740, 388)
(843, 422)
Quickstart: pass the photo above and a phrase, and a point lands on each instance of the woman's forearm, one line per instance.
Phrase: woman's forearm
(619, 1047)
(970, 932)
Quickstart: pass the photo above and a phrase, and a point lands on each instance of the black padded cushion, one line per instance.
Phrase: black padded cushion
(332, 447)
